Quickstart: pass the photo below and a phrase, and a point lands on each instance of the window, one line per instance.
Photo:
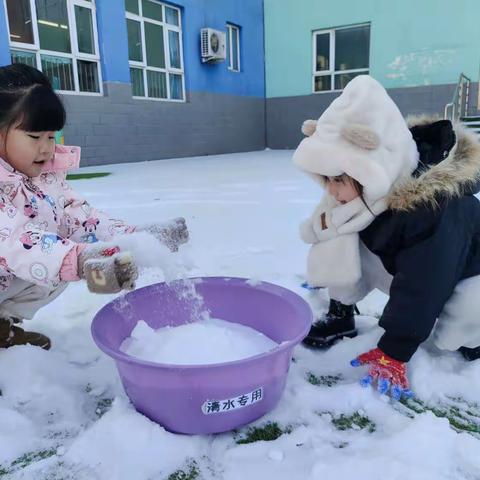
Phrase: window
(58, 37)
(155, 50)
(339, 56)
(233, 47)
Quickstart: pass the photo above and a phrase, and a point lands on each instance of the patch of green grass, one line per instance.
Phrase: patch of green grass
(26, 460)
(32, 457)
(470, 409)
(356, 421)
(269, 432)
(191, 474)
(324, 380)
(84, 176)
(462, 416)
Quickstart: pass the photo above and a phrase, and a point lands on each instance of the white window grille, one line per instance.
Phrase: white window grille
(155, 50)
(339, 55)
(233, 47)
(60, 38)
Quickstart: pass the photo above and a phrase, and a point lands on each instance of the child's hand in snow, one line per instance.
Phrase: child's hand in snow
(389, 374)
(106, 269)
(172, 233)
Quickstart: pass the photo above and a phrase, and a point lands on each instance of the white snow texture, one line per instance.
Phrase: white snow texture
(64, 414)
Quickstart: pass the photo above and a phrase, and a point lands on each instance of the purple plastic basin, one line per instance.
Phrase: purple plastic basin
(199, 399)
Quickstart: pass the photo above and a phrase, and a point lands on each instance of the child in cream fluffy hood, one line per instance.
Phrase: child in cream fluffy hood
(49, 235)
(399, 214)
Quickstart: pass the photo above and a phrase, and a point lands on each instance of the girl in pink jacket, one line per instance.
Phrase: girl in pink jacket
(50, 235)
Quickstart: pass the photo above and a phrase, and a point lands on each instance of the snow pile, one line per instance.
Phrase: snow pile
(199, 343)
(65, 416)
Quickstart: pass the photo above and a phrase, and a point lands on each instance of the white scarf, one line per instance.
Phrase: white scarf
(334, 258)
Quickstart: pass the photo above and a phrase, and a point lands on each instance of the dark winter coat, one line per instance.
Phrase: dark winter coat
(429, 238)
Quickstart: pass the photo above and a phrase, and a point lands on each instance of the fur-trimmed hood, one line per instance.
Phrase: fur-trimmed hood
(458, 174)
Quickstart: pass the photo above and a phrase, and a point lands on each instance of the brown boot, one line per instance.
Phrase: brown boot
(11, 335)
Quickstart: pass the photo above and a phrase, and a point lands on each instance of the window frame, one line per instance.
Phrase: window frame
(231, 29)
(166, 45)
(332, 72)
(74, 55)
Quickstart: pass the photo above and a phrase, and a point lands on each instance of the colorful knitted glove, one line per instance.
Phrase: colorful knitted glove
(106, 269)
(389, 374)
(171, 234)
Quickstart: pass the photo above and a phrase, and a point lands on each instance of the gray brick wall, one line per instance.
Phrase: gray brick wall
(116, 128)
(285, 115)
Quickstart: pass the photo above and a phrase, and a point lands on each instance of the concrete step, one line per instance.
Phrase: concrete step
(472, 122)
(475, 130)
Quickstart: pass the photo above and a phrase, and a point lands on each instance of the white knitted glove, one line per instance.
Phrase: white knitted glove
(106, 269)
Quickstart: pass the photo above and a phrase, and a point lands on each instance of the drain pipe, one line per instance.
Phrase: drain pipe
(265, 120)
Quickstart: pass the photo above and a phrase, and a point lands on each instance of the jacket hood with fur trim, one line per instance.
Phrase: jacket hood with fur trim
(457, 175)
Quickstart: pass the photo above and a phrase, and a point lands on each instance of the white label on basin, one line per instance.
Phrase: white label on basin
(235, 403)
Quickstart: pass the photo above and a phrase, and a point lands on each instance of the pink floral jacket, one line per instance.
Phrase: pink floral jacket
(42, 221)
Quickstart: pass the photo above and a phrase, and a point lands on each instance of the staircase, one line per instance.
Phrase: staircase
(458, 108)
(472, 123)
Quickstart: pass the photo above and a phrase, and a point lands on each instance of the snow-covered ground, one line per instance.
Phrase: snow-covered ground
(64, 415)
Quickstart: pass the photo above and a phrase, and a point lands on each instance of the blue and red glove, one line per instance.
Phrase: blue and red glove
(389, 374)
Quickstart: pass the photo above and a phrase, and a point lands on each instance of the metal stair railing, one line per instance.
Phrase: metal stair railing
(458, 107)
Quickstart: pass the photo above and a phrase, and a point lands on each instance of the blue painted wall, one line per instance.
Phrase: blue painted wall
(248, 15)
(196, 14)
(4, 48)
(113, 41)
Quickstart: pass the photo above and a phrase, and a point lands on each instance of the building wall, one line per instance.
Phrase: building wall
(285, 115)
(412, 43)
(120, 129)
(4, 49)
(417, 51)
(248, 14)
(196, 14)
(224, 111)
(113, 41)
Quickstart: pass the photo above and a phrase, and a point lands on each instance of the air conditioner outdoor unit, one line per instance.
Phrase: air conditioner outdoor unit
(213, 45)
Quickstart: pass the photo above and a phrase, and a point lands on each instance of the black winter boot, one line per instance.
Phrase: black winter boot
(12, 335)
(470, 354)
(337, 323)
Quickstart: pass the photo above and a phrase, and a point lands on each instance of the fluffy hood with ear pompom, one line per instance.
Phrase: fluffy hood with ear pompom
(361, 134)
